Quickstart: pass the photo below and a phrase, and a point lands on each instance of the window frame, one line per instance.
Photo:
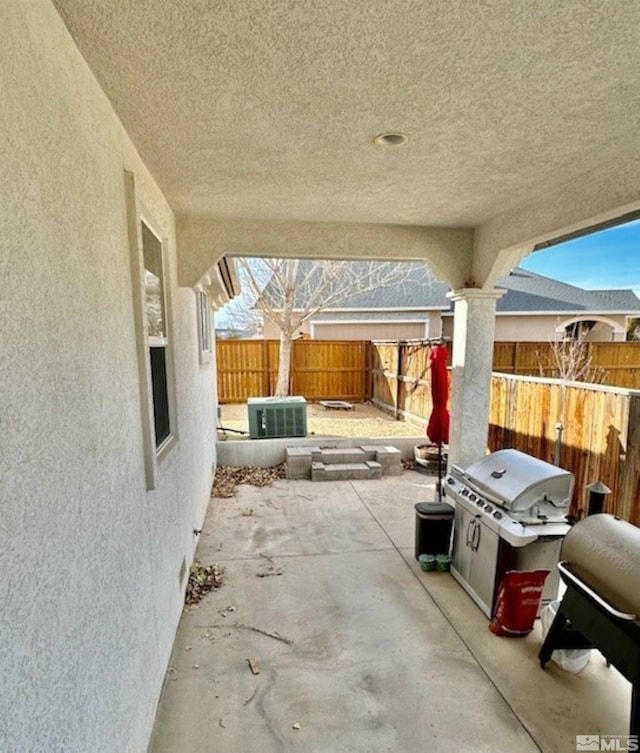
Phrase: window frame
(137, 216)
(205, 329)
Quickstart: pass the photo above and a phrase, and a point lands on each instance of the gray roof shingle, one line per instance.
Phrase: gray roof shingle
(526, 292)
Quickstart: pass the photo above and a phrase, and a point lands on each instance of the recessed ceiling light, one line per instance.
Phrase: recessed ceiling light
(391, 138)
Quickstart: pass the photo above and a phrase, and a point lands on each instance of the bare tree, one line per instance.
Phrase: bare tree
(298, 290)
(568, 359)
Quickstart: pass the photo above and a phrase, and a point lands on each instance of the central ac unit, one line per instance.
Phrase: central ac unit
(271, 417)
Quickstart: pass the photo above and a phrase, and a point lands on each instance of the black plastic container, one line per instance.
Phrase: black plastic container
(434, 521)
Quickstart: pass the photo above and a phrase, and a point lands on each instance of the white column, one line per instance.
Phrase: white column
(474, 316)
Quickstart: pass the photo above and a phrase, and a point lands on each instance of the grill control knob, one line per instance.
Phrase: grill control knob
(473, 497)
(465, 492)
(450, 480)
(497, 514)
(480, 503)
(488, 508)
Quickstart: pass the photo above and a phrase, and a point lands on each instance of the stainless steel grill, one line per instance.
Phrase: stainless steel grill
(601, 606)
(511, 514)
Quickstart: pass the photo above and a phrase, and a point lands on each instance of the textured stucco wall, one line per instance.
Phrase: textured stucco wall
(539, 328)
(543, 328)
(374, 331)
(89, 560)
(355, 331)
(272, 332)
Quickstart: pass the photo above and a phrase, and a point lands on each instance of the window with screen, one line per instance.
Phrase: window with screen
(157, 332)
(204, 326)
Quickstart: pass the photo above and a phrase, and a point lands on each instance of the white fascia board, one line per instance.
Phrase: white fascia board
(567, 312)
(320, 322)
(386, 308)
(563, 313)
(232, 266)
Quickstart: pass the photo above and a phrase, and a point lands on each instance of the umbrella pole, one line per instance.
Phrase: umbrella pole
(439, 471)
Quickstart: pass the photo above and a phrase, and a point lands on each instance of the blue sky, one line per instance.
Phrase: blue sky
(609, 259)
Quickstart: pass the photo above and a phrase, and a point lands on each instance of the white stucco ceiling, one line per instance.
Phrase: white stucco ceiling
(267, 109)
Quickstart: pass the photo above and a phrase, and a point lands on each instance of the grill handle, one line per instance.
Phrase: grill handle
(566, 573)
(470, 533)
(475, 540)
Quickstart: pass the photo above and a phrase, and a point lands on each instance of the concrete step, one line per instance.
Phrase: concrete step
(379, 460)
(370, 469)
(341, 455)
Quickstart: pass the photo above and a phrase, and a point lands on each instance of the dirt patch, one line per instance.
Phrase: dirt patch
(363, 421)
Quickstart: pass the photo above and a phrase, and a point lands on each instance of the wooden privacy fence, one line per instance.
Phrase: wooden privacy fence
(395, 375)
(320, 369)
(618, 363)
(600, 438)
(401, 380)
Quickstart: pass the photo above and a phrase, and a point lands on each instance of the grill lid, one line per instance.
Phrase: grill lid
(518, 481)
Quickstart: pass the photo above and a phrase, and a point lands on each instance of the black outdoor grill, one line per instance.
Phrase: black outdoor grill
(600, 564)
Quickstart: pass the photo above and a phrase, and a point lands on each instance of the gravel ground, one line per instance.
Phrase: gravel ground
(363, 421)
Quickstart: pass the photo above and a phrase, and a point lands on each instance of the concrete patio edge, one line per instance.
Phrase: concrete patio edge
(265, 453)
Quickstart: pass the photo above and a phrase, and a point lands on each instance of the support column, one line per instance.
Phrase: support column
(474, 317)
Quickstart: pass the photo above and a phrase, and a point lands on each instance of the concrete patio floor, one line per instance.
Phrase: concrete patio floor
(375, 654)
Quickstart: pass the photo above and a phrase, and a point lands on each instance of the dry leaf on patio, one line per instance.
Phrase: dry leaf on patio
(202, 580)
(228, 477)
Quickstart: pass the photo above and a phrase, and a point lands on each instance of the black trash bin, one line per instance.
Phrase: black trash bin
(434, 521)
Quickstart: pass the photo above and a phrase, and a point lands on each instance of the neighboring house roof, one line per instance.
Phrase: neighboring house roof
(526, 292)
(378, 315)
(419, 290)
(534, 293)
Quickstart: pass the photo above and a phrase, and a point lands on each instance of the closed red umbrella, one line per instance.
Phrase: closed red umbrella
(438, 426)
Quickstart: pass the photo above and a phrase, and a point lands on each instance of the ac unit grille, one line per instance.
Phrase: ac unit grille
(270, 418)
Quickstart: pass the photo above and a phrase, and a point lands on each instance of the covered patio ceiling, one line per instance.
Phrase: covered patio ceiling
(521, 116)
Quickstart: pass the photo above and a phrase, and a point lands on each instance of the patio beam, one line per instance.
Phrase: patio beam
(202, 241)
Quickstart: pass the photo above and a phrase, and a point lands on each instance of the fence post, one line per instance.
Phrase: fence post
(266, 381)
(367, 371)
(627, 504)
(398, 381)
(510, 411)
